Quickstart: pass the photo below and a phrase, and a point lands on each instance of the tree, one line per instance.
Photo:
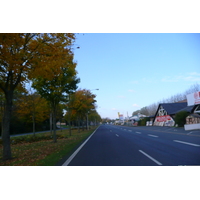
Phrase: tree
(94, 117)
(32, 108)
(144, 111)
(22, 57)
(56, 89)
(105, 120)
(180, 118)
(81, 102)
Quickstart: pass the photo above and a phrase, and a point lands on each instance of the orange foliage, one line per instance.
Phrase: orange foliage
(32, 105)
(81, 102)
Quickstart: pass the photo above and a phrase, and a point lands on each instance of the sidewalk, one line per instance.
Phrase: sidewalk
(21, 134)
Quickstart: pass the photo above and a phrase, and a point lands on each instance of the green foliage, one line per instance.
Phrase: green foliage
(53, 89)
(180, 118)
(94, 116)
(143, 121)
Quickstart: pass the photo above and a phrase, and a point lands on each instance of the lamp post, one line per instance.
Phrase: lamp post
(88, 111)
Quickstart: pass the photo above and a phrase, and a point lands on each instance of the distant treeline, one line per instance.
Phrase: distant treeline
(151, 109)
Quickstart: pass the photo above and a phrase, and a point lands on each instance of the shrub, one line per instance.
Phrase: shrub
(143, 121)
(180, 118)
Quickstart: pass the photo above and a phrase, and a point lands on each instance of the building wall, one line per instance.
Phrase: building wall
(165, 120)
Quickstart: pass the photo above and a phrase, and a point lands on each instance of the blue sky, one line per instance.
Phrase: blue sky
(133, 70)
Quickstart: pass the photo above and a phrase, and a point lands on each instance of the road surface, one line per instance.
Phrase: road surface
(138, 146)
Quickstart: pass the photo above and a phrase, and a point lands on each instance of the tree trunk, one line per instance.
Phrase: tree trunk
(50, 123)
(33, 125)
(6, 126)
(54, 125)
(78, 124)
(60, 126)
(83, 124)
(69, 122)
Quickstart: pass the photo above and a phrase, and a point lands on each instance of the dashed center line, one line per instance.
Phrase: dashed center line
(117, 135)
(154, 160)
(152, 135)
(130, 130)
(138, 132)
(196, 145)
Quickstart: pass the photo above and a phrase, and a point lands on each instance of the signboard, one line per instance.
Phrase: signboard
(121, 117)
(193, 99)
(163, 118)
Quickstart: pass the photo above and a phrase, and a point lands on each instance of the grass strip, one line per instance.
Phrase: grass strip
(44, 152)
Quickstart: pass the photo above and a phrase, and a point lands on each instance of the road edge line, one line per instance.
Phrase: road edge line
(188, 143)
(66, 163)
(153, 159)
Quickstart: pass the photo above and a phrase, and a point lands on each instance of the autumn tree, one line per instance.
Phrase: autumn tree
(31, 107)
(94, 117)
(22, 57)
(81, 102)
(56, 89)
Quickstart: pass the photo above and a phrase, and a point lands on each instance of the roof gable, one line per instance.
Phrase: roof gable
(172, 108)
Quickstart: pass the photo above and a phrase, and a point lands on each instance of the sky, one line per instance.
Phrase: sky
(134, 70)
(130, 70)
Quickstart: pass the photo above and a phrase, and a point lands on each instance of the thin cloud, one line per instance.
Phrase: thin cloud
(130, 90)
(147, 80)
(121, 96)
(135, 105)
(134, 82)
(192, 77)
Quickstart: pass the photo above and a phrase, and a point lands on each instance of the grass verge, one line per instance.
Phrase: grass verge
(44, 152)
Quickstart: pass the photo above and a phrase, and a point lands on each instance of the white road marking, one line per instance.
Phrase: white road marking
(152, 135)
(130, 130)
(125, 129)
(138, 132)
(74, 154)
(110, 130)
(150, 157)
(196, 145)
(117, 135)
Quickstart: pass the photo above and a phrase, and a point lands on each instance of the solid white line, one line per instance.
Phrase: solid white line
(150, 157)
(196, 145)
(74, 154)
(152, 135)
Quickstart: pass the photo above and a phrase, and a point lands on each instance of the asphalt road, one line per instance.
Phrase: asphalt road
(138, 146)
